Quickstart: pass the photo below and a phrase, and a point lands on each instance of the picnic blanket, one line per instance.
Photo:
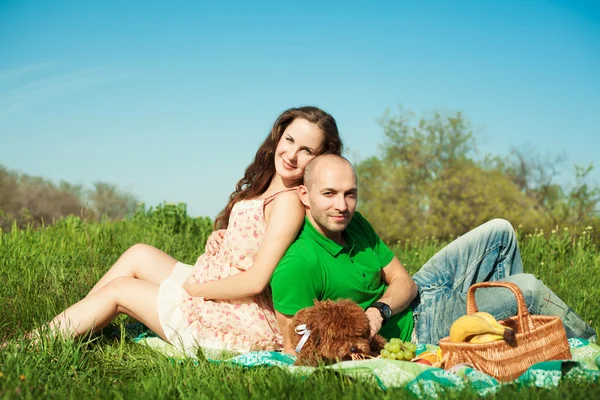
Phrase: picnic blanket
(421, 380)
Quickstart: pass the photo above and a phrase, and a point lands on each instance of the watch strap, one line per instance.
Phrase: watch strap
(380, 306)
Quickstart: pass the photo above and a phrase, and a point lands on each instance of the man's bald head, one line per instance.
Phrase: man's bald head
(329, 194)
(323, 163)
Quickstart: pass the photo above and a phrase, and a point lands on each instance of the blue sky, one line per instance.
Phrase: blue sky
(170, 99)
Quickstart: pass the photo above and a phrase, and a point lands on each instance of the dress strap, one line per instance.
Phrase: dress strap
(271, 197)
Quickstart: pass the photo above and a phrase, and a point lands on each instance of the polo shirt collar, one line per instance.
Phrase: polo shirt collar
(332, 247)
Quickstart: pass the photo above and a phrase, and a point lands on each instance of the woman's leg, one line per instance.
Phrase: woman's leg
(131, 296)
(140, 261)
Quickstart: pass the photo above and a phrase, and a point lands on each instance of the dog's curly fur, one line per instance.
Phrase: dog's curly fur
(338, 330)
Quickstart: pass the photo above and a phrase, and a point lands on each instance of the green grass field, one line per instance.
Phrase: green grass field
(43, 271)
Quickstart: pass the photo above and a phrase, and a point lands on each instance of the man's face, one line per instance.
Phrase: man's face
(331, 197)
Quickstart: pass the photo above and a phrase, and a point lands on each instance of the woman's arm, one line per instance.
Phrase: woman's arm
(285, 220)
(213, 244)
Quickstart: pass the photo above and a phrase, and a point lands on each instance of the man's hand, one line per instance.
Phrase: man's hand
(213, 244)
(190, 285)
(375, 320)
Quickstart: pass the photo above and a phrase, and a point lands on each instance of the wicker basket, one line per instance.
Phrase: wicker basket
(538, 338)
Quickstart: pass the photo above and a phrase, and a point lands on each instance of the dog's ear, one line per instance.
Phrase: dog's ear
(309, 355)
(300, 318)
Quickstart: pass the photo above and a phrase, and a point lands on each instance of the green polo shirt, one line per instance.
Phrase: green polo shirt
(315, 267)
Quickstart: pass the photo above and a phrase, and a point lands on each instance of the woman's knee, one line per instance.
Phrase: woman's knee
(117, 287)
(140, 250)
(139, 254)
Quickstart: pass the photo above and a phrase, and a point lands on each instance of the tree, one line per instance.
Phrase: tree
(467, 195)
(32, 200)
(570, 205)
(427, 182)
(582, 199)
(106, 200)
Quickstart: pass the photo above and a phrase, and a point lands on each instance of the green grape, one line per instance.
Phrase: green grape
(410, 346)
(400, 356)
(395, 341)
(394, 348)
(384, 353)
(392, 356)
(408, 354)
(387, 346)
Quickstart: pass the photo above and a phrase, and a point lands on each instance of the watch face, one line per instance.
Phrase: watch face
(387, 311)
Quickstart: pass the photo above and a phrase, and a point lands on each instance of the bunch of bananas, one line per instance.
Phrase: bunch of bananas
(480, 327)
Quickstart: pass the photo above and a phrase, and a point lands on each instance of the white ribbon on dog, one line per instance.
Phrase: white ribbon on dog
(301, 330)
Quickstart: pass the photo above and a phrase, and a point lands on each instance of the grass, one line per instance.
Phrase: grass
(43, 271)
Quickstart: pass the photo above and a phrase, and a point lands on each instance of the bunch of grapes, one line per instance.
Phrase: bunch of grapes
(396, 349)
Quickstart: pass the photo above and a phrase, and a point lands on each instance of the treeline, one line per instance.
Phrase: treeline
(32, 200)
(429, 180)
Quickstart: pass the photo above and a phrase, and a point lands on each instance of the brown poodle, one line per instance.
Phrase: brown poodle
(333, 331)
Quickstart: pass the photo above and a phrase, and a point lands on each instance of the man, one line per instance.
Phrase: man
(337, 254)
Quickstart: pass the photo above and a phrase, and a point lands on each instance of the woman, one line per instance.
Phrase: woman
(261, 220)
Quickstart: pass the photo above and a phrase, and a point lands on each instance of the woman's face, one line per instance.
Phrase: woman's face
(300, 143)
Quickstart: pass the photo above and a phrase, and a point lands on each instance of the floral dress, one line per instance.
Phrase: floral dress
(240, 325)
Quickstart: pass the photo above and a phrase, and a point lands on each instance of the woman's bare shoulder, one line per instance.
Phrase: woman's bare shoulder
(288, 195)
(287, 203)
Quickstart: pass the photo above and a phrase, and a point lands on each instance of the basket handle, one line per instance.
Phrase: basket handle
(524, 318)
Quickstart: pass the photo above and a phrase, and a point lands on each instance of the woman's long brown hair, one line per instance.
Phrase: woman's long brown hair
(260, 172)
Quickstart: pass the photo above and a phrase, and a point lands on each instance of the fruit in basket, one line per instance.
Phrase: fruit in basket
(396, 349)
(468, 326)
(486, 338)
(489, 318)
(509, 333)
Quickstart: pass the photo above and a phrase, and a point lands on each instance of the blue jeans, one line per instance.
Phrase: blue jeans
(487, 253)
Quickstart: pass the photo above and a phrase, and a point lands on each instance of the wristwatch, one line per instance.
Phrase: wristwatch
(384, 310)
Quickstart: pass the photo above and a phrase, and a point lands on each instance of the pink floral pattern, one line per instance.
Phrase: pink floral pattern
(247, 324)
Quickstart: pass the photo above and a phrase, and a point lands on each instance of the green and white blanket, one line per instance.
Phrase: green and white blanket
(421, 380)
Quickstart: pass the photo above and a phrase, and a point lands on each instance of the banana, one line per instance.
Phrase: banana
(486, 338)
(489, 318)
(470, 325)
(509, 334)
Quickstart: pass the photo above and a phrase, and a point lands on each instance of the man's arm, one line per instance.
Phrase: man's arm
(401, 291)
(285, 321)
